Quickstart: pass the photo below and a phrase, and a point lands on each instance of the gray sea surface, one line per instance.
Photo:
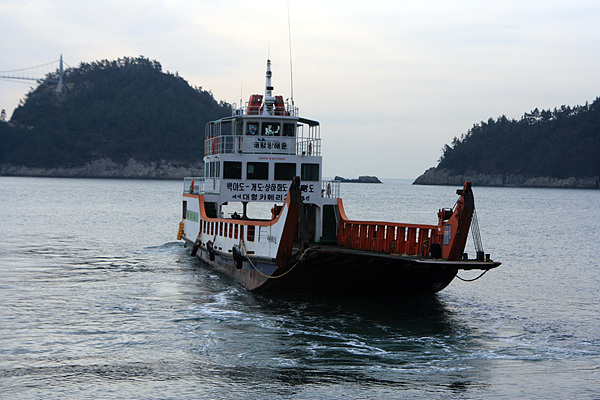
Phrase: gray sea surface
(98, 300)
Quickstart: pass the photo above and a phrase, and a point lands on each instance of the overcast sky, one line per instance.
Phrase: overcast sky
(390, 81)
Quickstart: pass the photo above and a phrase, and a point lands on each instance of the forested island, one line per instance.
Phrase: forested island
(121, 118)
(548, 148)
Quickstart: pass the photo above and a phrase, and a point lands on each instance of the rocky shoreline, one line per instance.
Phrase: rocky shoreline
(106, 168)
(435, 176)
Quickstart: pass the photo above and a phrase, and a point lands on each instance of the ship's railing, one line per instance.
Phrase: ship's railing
(200, 185)
(262, 145)
(308, 147)
(330, 189)
(388, 237)
(290, 110)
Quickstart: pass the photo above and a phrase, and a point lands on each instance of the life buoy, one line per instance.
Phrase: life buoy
(211, 250)
(192, 187)
(213, 146)
(238, 259)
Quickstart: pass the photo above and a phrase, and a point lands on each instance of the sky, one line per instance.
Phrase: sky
(391, 82)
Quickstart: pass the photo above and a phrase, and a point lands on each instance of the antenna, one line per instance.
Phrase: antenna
(290, 44)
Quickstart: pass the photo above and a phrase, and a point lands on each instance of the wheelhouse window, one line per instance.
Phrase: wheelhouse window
(257, 170)
(289, 129)
(309, 172)
(226, 128)
(271, 129)
(232, 170)
(285, 171)
(252, 128)
(211, 169)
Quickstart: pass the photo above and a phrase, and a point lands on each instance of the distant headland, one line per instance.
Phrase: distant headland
(123, 118)
(551, 148)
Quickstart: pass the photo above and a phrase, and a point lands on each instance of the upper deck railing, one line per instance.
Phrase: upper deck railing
(262, 145)
(286, 109)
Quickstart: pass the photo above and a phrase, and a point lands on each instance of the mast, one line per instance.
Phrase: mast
(269, 99)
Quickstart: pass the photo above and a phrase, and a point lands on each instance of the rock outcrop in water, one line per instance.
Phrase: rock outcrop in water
(361, 179)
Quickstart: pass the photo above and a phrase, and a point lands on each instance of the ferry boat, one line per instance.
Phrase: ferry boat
(266, 155)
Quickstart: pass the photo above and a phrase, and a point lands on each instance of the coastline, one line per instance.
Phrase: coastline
(107, 168)
(434, 176)
(168, 170)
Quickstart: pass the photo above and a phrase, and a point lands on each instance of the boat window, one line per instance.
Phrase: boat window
(211, 129)
(309, 172)
(226, 128)
(211, 169)
(285, 171)
(252, 128)
(232, 170)
(289, 129)
(257, 170)
(239, 127)
(270, 129)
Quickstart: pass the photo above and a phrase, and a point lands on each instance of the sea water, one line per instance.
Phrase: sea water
(98, 300)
